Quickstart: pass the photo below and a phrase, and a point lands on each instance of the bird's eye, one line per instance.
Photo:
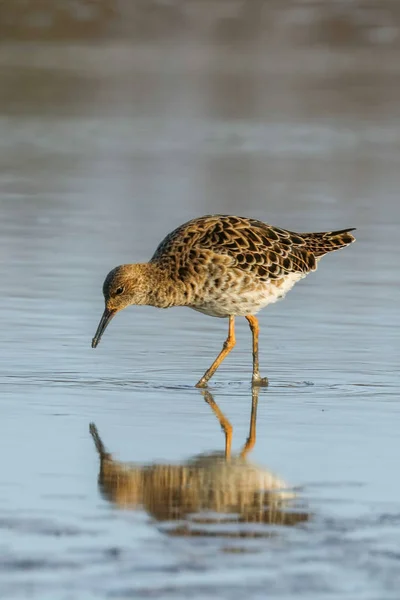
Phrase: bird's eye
(119, 291)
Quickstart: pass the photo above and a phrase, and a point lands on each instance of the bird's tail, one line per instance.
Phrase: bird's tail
(328, 241)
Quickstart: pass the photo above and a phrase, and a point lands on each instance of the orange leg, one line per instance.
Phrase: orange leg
(257, 379)
(227, 347)
(223, 421)
(251, 440)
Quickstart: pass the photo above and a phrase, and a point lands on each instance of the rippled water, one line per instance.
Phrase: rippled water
(114, 128)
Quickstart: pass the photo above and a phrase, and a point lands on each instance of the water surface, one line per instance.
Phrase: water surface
(115, 128)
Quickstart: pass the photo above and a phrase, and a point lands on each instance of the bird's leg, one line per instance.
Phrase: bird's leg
(251, 440)
(223, 421)
(257, 379)
(226, 348)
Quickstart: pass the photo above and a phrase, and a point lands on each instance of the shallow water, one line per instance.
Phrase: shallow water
(113, 130)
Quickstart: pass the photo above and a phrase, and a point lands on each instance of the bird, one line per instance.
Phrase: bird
(223, 266)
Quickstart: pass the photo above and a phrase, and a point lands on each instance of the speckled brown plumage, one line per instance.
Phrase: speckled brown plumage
(223, 266)
(253, 246)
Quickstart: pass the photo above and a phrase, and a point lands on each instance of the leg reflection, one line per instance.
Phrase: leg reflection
(223, 421)
(251, 440)
(227, 427)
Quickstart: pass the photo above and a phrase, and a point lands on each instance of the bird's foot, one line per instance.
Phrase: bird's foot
(259, 381)
(202, 383)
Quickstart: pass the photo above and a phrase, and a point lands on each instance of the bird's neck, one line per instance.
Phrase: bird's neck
(159, 288)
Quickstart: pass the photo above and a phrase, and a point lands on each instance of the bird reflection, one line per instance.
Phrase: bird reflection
(216, 494)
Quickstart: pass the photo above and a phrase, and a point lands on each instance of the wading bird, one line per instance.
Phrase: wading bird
(222, 266)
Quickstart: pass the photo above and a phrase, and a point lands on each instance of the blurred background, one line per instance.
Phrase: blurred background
(119, 120)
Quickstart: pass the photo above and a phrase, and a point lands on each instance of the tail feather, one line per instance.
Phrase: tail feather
(328, 241)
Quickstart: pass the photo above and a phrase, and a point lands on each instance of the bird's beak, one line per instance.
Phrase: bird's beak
(104, 321)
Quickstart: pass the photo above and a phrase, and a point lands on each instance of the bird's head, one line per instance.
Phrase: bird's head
(123, 286)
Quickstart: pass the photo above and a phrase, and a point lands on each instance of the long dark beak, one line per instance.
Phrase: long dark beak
(104, 321)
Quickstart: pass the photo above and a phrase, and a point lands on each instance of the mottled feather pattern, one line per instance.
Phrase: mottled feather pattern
(322, 243)
(235, 265)
(265, 251)
(222, 266)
